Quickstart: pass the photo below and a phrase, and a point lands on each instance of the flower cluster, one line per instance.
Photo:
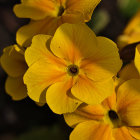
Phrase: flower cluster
(116, 118)
(60, 61)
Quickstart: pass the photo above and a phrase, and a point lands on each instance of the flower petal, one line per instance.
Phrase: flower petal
(13, 62)
(105, 63)
(135, 132)
(134, 38)
(72, 17)
(62, 2)
(132, 31)
(133, 25)
(46, 26)
(66, 44)
(110, 102)
(59, 98)
(92, 92)
(122, 133)
(137, 58)
(35, 9)
(84, 113)
(128, 102)
(84, 6)
(39, 76)
(91, 130)
(38, 49)
(128, 72)
(16, 88)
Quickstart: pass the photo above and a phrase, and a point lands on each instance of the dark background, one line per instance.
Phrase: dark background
(24, 120)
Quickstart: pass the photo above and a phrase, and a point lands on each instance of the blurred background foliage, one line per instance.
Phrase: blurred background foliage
(24, 120)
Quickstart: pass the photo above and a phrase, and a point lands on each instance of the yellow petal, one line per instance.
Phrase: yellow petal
(128, 102)
(137, 58)
(92, 92)
(105, 63)
(84, 113)
(92, 130)
(135, 132)
(84, 6)
(128, 72)
(133, 24)
(59, 98)
(16, 88)
(46, 26)
(39, 76)
(134, 38)
(35, 9)
(13, 62)
(66, 44)
(62, 2)
(122, 133)
(131, 33)
(133, 29)
(122, 41)
(38, 49)
(110, 102)
(72, 17)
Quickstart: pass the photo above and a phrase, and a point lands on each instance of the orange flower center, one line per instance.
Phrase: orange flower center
(72, 70)
(61, 11)
(113, 115)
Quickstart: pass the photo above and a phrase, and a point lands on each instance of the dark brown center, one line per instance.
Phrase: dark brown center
(61, 11)
(73, 70)
(113, 115)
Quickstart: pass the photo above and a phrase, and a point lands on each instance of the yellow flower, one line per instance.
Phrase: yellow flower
(117, 118)
(76, 65)
(131, 33)
(14, 64)
(47, 15)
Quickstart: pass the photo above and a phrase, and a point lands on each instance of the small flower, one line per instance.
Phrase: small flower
(13, 62)
(47, 15)
(74, 66)
(117, 118)
(131, 33)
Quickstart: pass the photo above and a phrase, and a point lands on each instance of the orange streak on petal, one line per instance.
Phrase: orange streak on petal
(122, 133)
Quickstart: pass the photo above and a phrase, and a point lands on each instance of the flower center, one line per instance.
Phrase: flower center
(113, 115)
(72, 70)
(113, 119)
(61, 11)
